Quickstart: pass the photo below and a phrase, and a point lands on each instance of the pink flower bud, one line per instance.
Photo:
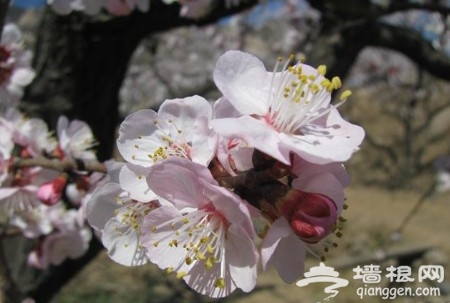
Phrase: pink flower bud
(50, 192)
(310, 215)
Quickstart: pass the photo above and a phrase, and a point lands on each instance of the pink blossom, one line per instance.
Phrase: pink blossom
(31, 135)
(284, 112)
(233, 154)
(75, 139)
(60, 246)
(305, 216)
(70, 239)
(205, 235)
(180, 128)
(15, 66)
(19, 191)
(118, 214)
(33, 223)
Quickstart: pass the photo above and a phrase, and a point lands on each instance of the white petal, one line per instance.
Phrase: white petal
(122, 243)
(102, 204)
(132, 178)
(244, 81)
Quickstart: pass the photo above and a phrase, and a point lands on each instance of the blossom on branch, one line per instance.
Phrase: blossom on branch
(206, 191)
(180, 128)
(285, 111)
(205, 236)
(15, 66)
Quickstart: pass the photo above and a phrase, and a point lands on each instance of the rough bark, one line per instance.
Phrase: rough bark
(349, 26)
(81, 63)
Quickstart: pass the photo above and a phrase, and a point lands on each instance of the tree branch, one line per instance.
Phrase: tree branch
(4, 5)
(410, 43)
(65, 165)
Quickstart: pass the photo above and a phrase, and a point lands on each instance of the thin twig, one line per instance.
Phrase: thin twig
(65, 165)
(416, 208)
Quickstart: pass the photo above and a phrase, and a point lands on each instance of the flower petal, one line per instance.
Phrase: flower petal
(122, 243)
(132, 178)
(284, 250)
(255, 133)
(242, 79)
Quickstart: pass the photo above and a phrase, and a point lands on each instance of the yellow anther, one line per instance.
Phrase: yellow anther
(200, 256)
(155, 244)
(173, 243)
(314, 88)
(185, 220)
(322, 70)
(209, 263)
(336, 82)
(210, 249)
(181, 274)
(154, 229)
(188, 260)
(219, 283)
(169, 270)
(347, 93)
(136, 146)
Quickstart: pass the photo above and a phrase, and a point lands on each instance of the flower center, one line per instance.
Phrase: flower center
(171, 139)
(201, 235)
(300, 94)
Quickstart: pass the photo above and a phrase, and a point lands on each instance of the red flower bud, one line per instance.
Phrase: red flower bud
(50, 193)
(310, 215)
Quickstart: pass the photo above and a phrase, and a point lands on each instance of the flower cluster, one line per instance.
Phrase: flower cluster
(15, 69)
(209, 192)
(41, 202)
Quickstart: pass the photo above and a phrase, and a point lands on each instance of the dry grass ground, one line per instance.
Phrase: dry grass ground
(372, 216)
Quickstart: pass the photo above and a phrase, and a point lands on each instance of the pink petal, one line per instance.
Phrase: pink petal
(242, 79)
(284, 250)
(242, 258)
(101, 206)
(122, 243)
(132, 178)
(178, 180)
(138, 137)
(255, 133)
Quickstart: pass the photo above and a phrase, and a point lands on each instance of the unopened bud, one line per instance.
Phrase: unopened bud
(310, 215)
(50, 193)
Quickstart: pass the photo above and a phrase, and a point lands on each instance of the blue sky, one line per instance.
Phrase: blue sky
(28, 3)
